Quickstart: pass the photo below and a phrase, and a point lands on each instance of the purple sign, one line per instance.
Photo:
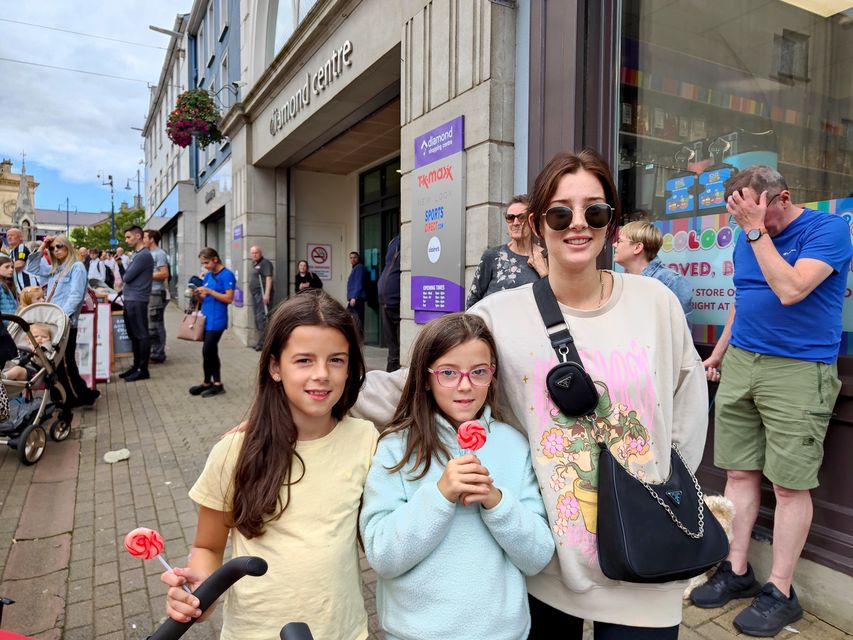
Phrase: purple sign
(238, 231)
(437, 296)
(238, 297)
(438, 143)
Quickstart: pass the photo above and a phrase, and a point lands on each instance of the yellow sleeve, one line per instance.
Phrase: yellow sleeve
(214, 488)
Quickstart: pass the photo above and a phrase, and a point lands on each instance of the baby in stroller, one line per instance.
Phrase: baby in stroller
(38, 404)
(23, 367)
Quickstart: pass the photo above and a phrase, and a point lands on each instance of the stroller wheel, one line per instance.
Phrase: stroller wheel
(31, 444)
(58, 429)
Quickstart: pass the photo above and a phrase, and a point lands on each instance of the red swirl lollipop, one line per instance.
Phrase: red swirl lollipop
(144, 543)
(147, 544)
(471, 435)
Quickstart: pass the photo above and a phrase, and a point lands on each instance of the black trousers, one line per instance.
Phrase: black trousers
(76, 391)
(544, 619)
(391, 334)
(210, 356)
(358, 315)
(136, 321)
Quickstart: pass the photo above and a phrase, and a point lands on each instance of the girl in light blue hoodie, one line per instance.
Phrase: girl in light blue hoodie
(452, 534)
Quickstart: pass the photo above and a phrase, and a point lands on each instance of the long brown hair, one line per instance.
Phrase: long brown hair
(416, 411)
(266, 460)
(8, 285)
(546, 183)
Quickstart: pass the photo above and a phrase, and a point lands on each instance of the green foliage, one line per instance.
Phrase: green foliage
(98, 235)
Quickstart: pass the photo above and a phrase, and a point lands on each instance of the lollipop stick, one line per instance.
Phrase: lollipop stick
(169, 568)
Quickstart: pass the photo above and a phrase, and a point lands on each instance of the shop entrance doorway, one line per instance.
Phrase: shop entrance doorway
(379, 209)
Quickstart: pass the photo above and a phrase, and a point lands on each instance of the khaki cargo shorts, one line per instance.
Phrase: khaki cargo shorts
(771, 415)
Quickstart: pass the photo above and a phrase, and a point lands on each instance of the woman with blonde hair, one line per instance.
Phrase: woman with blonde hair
(66, 288)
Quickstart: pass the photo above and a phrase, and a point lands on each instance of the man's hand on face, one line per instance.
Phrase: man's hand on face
(748, 209)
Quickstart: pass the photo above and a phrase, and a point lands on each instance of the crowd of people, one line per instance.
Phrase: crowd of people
(54, 270)
(307, 475)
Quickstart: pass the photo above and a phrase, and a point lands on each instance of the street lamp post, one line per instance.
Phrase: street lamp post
(67, 216)
(109, 181)
(138, 202)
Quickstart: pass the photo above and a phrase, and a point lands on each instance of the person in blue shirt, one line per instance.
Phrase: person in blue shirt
(779, 387)
(356, 294)
(215, 294)
(66, 288)
(636, 250)
(450, 532)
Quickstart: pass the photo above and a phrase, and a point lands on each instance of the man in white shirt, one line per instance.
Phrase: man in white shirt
(97, 270)
(18, 252)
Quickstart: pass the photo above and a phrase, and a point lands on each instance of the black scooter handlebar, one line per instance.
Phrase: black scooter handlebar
(296, 631)
(209, 591)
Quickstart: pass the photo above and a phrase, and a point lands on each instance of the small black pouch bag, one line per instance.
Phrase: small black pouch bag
(569, 385)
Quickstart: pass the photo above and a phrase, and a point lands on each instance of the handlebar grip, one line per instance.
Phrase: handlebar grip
(209, 591)
(296, 631)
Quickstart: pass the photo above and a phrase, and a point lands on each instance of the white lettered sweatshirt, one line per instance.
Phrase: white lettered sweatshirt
(638, 349)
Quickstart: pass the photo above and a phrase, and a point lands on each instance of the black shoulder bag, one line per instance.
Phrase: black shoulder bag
(651, 533)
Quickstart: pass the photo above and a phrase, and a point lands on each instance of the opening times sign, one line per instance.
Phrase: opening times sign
(438, 222)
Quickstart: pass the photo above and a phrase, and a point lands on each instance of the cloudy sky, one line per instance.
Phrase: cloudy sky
(72, 125)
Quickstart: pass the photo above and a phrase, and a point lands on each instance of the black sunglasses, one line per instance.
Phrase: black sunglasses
(58, 246)
(512, 217)
(597, 216)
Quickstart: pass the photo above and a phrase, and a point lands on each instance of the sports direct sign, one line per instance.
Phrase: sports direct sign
(438, 222)
(441, 142)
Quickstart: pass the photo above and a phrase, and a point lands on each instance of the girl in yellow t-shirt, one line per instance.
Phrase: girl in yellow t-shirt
(287, 484)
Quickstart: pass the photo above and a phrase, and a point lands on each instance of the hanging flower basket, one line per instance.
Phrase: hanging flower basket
(195, 114)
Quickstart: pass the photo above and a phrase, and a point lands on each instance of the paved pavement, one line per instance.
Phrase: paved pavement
(62, 521)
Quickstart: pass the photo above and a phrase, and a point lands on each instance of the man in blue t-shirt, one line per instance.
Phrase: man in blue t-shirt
(779, 385)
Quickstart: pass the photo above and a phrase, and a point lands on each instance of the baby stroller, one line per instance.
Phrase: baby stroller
(32, 412)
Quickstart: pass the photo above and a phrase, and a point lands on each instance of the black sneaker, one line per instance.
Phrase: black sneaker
(769, 613)
(213, 390)
(723, 586)
(124, 374)
(139, 374)
(198, 389)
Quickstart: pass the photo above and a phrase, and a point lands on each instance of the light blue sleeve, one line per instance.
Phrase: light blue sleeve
(520, 526)
(683, 290)
(36, 266)
(397, 532)
(76, 289)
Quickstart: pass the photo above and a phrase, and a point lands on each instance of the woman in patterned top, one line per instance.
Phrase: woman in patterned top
(518, 262)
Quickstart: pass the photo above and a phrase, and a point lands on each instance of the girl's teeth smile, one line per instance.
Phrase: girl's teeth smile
(577, 241)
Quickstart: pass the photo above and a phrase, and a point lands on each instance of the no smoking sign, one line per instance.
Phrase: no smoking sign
(320, 260)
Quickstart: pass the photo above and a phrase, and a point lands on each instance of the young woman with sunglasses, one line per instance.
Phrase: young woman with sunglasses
(520, 261)
(66, 288)
(633, 339)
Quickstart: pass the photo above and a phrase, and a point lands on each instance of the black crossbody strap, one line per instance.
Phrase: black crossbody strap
(555, 324)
